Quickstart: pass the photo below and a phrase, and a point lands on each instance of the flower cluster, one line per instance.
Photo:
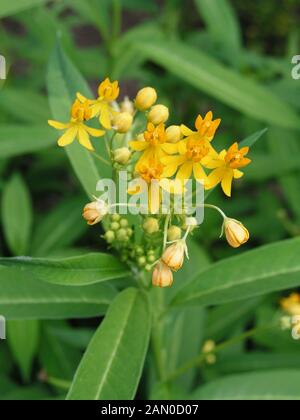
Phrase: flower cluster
(157, 153)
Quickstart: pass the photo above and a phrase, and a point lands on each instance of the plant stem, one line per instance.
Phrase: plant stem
(167, 222)
(198, 360)
(59, 383)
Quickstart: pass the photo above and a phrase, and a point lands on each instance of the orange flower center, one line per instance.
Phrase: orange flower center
(152, 172)
(155, 135)
(81, 112)
(196, 150)
(235, 160)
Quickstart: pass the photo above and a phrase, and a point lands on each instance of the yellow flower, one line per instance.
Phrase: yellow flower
(206, 128)
(76, 128)
(162, 275)
(226, 166)
(236, 233)
(193, 154)
(107, 92)
(153, 145)
(291, 305)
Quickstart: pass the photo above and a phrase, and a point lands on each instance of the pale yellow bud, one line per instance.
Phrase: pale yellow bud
(122, 155)
(211, 359)
(145, 98)
(209, 346)
(174, 233)
(173, 134)
(94, 212)
(236, 233)
(159, 114)
(174, 255)
(162, 275)
(127, 106)
(151, 226)
(122, 122)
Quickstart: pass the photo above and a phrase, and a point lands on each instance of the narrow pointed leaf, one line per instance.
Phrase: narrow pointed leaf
(112, 365)
(74, 271)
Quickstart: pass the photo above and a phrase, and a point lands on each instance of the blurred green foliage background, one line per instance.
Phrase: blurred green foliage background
(233, 57)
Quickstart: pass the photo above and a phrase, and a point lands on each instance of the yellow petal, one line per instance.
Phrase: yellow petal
(186, 131)
(68, 137)
(104, 119)
(138, 146)
(94, 132)
(185, 171)
(182, 148)
(84, 139)
(199, 173)
(170, 148)
(215, 177)
(237, 174)
(58, 125)
(227, 182)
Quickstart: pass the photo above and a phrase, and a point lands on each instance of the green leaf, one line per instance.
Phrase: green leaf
(278, 385)
(222, 23)
(8, 8)
(17, 215)
(267, 269)
(23, 340)
(255, 361)
(251, 140)
(74, 271)
(24, 298)
(60, 228)
(25, 105)
(64, 81)
(112, 365)
(19, 140)
(206, 74)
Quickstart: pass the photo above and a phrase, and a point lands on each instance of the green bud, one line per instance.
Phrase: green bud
(129, 232)
(124, 223)
(142, 261)
(115, 217)
(148, 267)
(139, 250)
(122, 235)
(115, 226)
(151, 258)
(110, 236)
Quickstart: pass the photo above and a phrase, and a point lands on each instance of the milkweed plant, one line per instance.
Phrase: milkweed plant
(157, 158)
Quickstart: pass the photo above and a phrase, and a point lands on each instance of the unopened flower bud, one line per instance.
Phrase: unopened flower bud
(122, 235)
(127, 106)
(236, 233)
(162, 275)
(122, 155)
(151, 226)
(174, 255)
(94, 212)
(110, 236)
(159, 114)
(173, 134)
(174, 233)
(145, 98)
(122, 122)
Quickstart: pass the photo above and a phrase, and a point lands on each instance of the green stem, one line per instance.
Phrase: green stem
(166, 228)
(59, 383)
(198, 360)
